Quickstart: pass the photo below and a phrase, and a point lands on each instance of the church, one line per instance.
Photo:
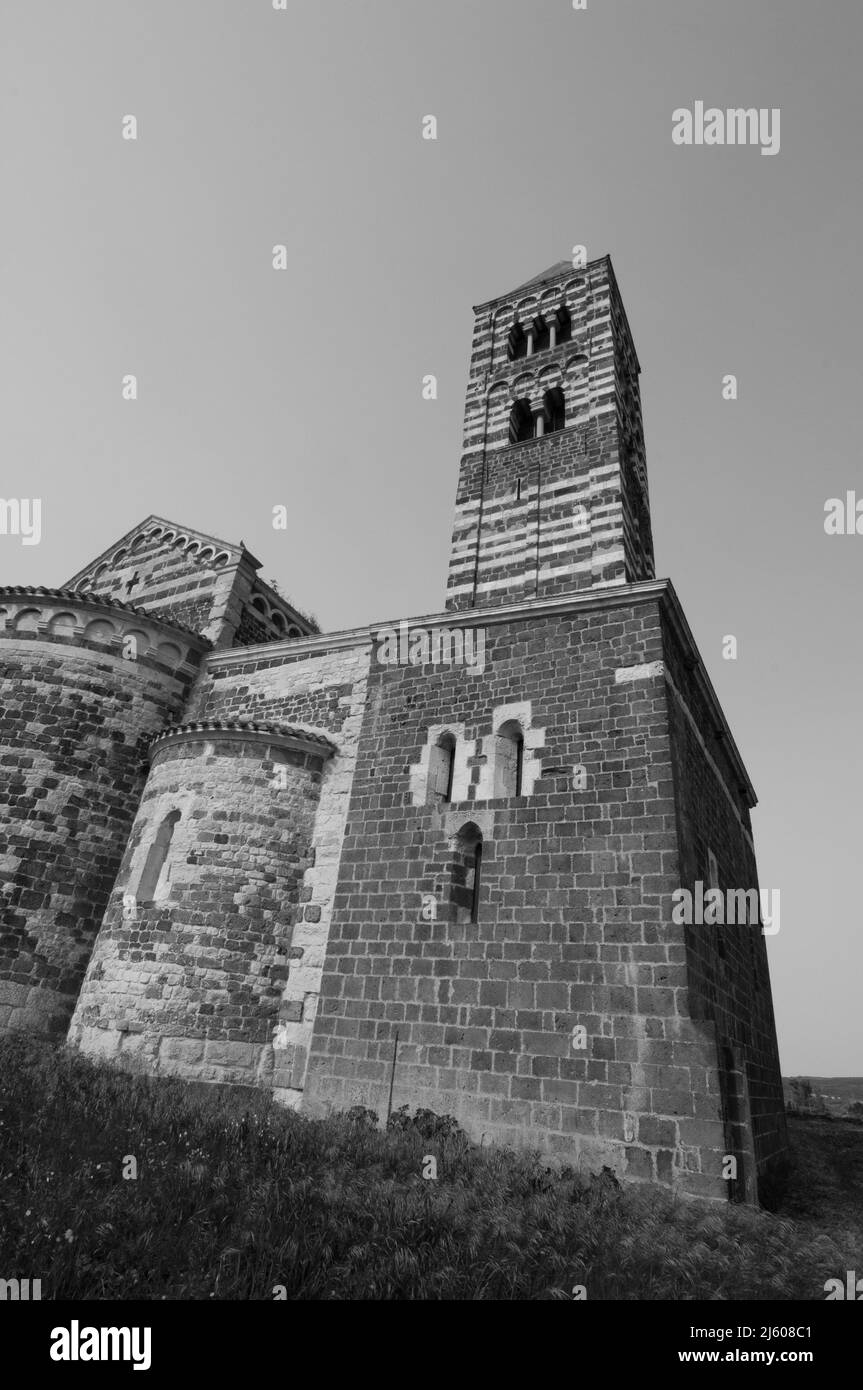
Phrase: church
(236, 849)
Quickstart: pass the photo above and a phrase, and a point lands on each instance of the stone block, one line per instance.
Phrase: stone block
(235, 1055)
(13, 994)
(187, 1051)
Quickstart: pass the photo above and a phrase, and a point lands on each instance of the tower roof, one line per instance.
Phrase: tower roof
(553, 272)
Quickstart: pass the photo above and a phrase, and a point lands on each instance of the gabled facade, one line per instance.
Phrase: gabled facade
(195, 579)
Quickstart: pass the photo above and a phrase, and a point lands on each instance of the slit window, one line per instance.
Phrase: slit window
(477, 878)
(466, 874)
(155, 880)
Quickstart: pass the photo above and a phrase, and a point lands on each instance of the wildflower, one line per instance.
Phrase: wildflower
(67, 1235)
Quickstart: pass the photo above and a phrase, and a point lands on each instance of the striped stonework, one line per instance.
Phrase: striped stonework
(566, 508)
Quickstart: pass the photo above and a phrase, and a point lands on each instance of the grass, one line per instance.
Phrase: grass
(235, 1196)
(828, 1175)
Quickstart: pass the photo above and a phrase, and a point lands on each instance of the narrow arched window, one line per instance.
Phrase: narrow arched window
(465, 874)
(509, 760)
(555, 410)
(441, 770)
(541, 335)
(564, 324)
(517, 342)
(520, 423)
(156, 877)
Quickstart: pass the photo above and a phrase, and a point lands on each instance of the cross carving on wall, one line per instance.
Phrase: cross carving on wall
(132, 582)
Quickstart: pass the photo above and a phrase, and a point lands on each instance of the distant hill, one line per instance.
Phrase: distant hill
(838, 1092)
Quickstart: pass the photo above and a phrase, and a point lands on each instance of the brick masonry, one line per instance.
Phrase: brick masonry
(575, 922)
(189, 980)
(324, 690)
(76, 718)
(569, 510)
(727, 966)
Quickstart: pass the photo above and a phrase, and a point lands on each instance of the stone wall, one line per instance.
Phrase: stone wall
(323, 687)
(75, 719)
(727, 964)
(191, 960)
(574, 927)
(540, 518)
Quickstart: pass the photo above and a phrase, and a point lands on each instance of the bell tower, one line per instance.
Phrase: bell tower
(552, 494)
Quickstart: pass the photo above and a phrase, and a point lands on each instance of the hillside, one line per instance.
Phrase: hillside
(114, 1186)
(837, 1092)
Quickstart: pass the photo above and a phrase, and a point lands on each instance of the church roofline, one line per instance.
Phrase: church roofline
(84, 598)
(614, 596)
(237, 551)
(241, 550)
(244, 730)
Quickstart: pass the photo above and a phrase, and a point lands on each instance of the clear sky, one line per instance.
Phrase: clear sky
(302, 387)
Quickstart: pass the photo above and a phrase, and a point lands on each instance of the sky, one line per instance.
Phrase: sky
(302, 387)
